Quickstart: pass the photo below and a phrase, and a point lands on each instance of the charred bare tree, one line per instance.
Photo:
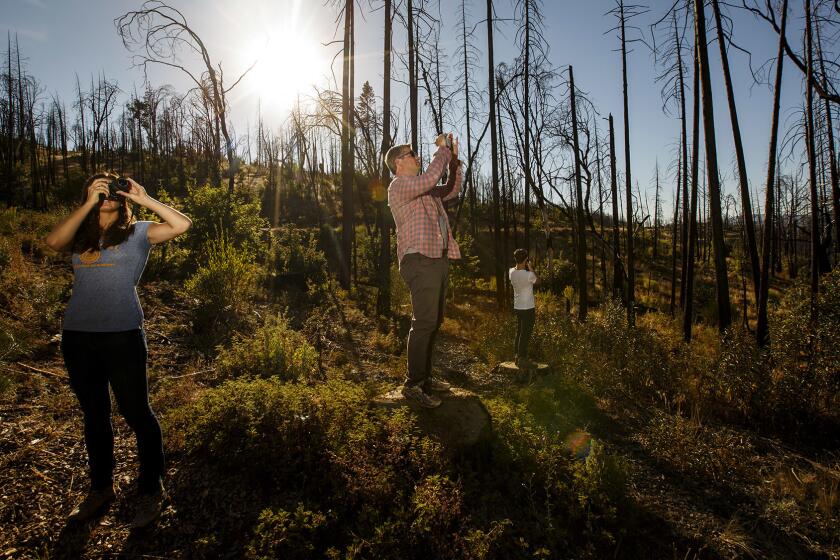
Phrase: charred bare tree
(383, 301)
(810, 130)
(834, 173)
(624, 13)
(347, 207)
(618, 269)
(743, 182)
(762, 331)
(494, 163)
(713, 177)
(580, 253)
(688, 308)
(468, 56)
(412, 73)
(160, 32)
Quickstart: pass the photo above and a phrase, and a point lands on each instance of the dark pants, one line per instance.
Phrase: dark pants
(95, 361)
(426, 278)
(525, 319)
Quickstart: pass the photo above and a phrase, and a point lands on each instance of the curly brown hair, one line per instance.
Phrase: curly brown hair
(88, 235)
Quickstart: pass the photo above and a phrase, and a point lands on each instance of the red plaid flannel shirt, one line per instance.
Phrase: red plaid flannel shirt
(416, 203)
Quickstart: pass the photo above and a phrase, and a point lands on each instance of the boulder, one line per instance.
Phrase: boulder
(521, 375)
(461, 423)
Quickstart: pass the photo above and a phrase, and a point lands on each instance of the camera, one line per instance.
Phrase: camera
(448, 141)
(117, 185)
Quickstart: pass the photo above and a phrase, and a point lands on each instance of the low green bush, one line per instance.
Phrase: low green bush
(462, 272)
(222, 288)
(806, 357)
(322, 474)
(216, 213)
(298, 260)
(292, 535)
(273, 350)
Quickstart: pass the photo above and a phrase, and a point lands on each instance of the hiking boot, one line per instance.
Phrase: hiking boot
(94, 502)
(149, 508)
(435, 384)
(415, 393)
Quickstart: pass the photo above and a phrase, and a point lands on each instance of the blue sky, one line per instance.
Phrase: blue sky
(60, 38)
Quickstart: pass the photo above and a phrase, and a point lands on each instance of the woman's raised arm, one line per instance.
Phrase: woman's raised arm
(174, 222)
(61, 236)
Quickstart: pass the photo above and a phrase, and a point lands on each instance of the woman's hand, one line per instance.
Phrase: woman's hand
(98, 187)
(454, 143)
(136, 193)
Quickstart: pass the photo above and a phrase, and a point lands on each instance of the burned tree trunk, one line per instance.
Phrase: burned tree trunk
(583, 304)
(746, 204)
(618, 269)
(713, 177)
(688, 307)
(383, 301)
(494, 163)
(762, 334)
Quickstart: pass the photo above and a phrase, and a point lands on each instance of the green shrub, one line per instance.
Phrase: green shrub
(296, 254)
(603, 477)
(437, 514)
(215, 213)
(807, 379)
(561, 274)
(5, 257)
(222, 287)
(9, 221)
(275, 349)
(5, 384)
(462, 272)
(740, 379)
(289, 535)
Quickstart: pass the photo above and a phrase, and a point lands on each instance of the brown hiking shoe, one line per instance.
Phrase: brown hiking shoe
(149, 508)
(93, 503)
(435, 384)
(415, 393)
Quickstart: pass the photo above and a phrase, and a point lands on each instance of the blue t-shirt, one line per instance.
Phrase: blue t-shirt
(105, 282)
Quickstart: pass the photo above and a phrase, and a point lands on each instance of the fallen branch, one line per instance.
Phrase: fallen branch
(43, 371)
(189, 374)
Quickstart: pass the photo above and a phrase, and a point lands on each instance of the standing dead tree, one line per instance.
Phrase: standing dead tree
(468, 55)
(583, 303)
(383, 300)
(161, 34)
(746, 204)
(713, 177)
(763, 10)
(625, 13)
(762, 332)
(494, 162)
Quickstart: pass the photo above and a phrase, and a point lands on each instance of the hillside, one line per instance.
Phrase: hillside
(635, 445)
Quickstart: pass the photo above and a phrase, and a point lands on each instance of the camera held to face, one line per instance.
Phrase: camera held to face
(117, 185)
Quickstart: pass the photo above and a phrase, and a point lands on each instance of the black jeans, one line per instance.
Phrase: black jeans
(525, 319)
(95, 361)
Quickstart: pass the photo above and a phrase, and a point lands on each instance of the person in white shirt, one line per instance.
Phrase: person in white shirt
(523, 281)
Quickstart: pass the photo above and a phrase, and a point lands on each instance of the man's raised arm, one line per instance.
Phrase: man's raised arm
(406, 189)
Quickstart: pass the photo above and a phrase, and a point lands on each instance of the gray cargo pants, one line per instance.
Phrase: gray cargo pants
(426, 279)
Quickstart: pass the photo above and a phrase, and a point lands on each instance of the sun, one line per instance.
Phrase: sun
(288, 64)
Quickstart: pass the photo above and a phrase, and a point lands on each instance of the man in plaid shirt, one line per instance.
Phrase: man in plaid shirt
(424, 247)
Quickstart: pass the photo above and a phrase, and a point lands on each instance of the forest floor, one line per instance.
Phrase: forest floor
(701, 490)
